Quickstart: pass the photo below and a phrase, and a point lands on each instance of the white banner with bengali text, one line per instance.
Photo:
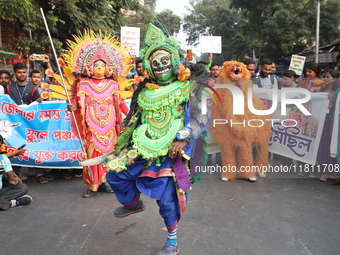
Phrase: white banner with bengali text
(296, 135)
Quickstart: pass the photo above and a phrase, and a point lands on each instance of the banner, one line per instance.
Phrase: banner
(295, 135)
(45, 129)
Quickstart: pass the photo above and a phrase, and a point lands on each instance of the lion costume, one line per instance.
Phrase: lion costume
(237, 140)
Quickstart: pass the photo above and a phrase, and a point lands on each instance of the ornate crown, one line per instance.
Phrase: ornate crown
(89, 47)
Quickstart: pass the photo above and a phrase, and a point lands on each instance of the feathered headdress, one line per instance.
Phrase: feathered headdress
(89, 47)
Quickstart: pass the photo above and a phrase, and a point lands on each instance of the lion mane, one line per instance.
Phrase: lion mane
(236, 138)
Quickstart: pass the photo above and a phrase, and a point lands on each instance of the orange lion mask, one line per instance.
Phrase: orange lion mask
(237, 138)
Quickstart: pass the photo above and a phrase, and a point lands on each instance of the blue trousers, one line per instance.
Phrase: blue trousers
(127, 186)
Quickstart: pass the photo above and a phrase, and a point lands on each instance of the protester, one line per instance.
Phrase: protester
(137, 71)
(251, 66)
(139, 67)
(279, 79)
(324, 158)
(330, 80)
(13, 78)
(335, 145)
(35, 79)
(289, 79)
(23, 92)
(265, 79)
(312, 82)
(13, 153)
(4, 80)
(32, 58)
(337, 68)
(214, 70)
(12, 189)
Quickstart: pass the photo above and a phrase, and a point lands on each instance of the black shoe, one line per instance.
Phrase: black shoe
(122, 211)
(24, 200)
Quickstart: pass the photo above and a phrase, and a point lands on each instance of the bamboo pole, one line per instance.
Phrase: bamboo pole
(63, 82)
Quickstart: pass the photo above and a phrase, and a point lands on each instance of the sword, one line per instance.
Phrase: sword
(96, 161)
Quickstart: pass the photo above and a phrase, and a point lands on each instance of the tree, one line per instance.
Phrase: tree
(273, 28)
(67, 16)
(170, 21)
(141, 19)
(216, 18)
(329, 21)
(285, 27)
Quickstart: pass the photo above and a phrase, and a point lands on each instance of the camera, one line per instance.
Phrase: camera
(39, 57)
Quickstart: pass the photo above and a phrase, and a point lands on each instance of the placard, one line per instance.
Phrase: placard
(130, 37)
(297, 63)
(210, 44)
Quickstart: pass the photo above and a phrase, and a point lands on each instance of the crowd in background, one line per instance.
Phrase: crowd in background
(23, 85)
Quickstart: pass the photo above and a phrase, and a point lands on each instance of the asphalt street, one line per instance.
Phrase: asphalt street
(281, 214)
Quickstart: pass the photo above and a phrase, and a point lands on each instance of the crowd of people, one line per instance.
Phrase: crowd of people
(315, 80)
(23, 86)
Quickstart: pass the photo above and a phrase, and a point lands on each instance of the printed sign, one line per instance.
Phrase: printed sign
(130, 37)
(297, 63)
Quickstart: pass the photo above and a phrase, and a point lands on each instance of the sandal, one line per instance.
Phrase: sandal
(88, 193)
(78, 175)
(324, 177)
(51, 176)
(337, 182)
(66, 176)
(107, 189)
(42, 179)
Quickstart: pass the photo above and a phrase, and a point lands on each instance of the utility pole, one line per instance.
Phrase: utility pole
(317, 31)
